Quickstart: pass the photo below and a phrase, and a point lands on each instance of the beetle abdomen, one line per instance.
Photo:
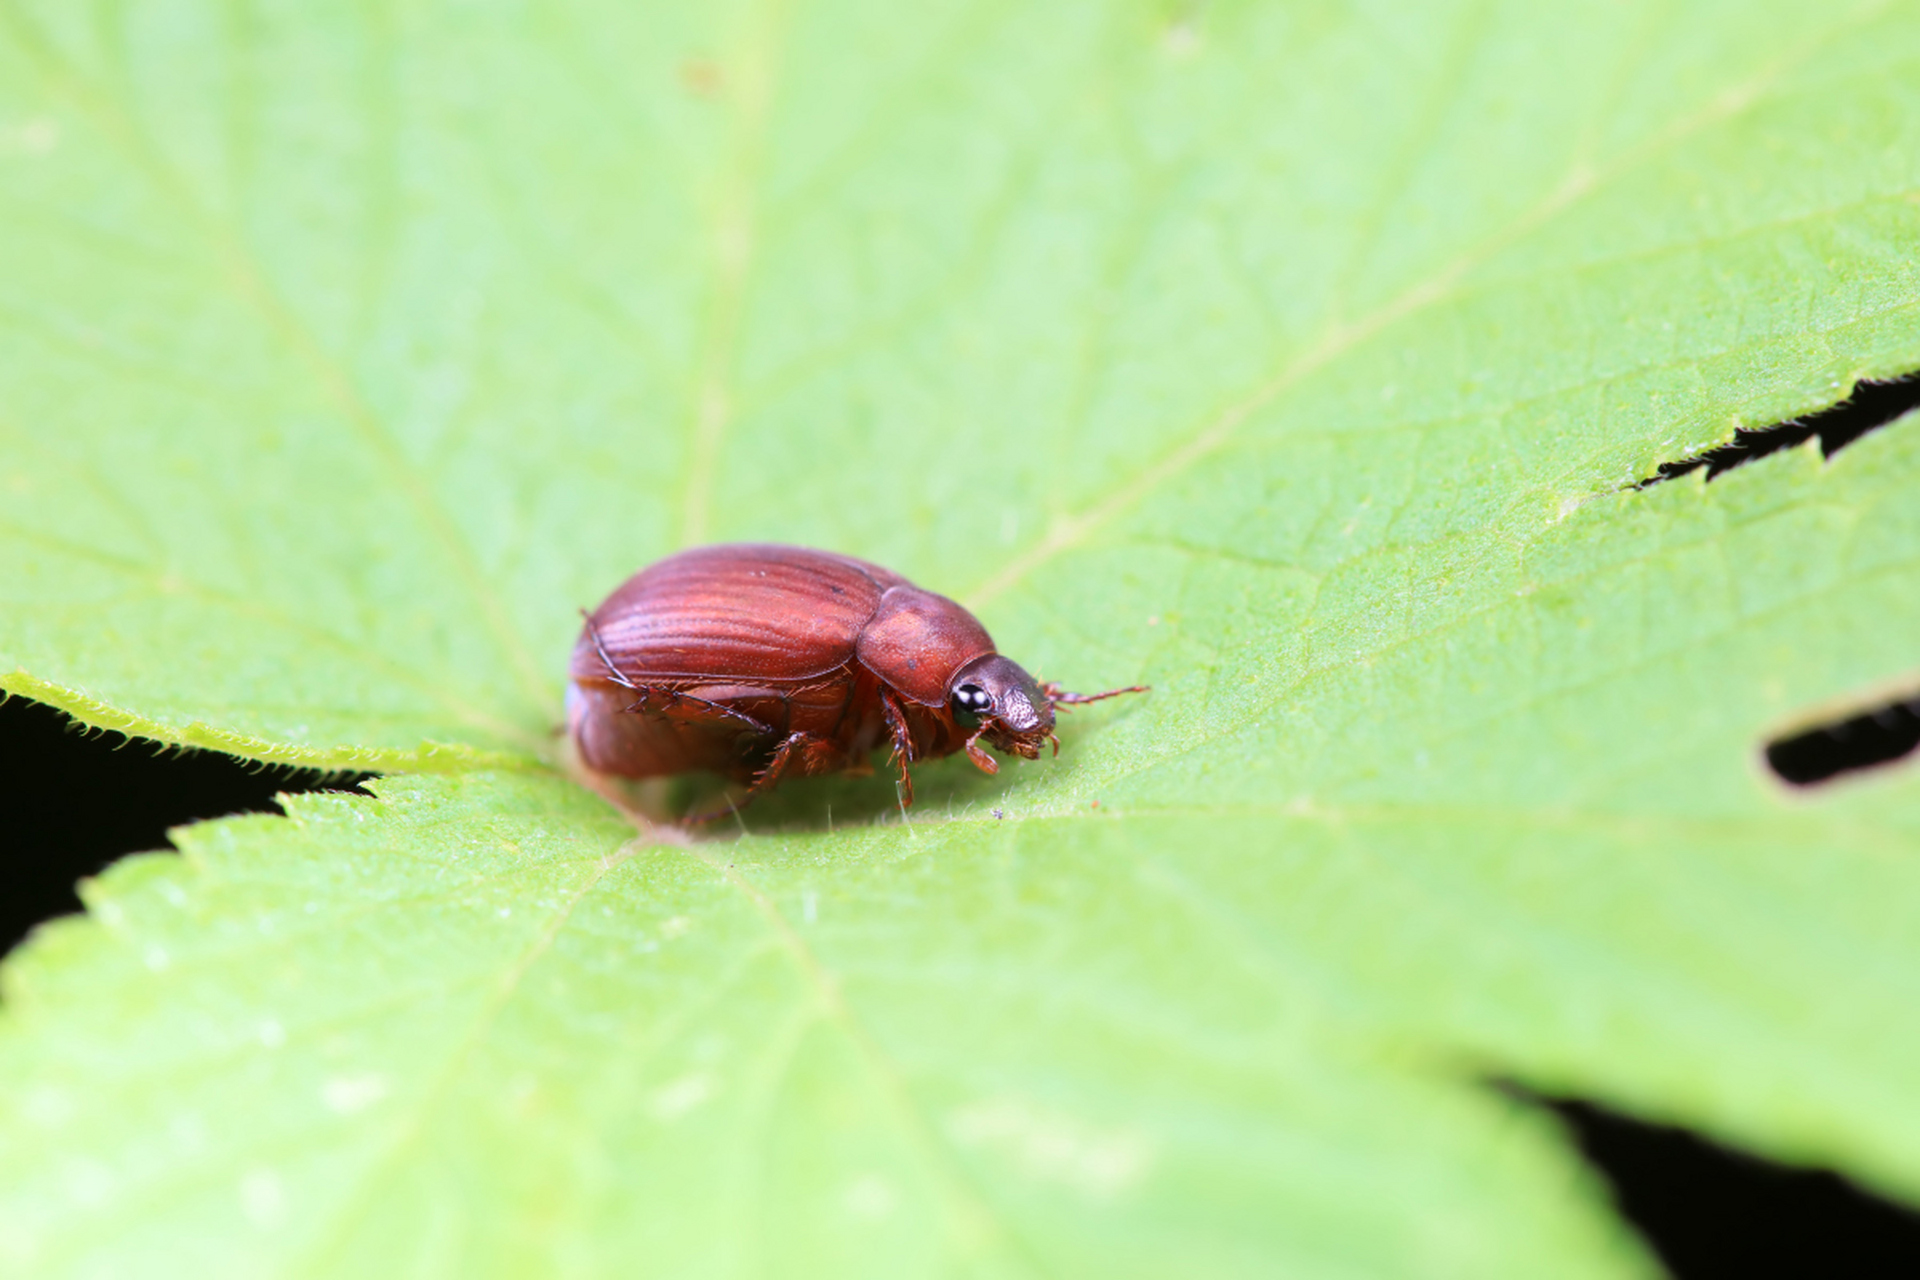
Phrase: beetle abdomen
(640, 744)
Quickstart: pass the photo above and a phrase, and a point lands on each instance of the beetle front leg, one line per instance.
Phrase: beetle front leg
(902, 745)
(978, 754)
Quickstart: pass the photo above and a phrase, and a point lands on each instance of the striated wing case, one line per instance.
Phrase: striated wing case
(744, 612)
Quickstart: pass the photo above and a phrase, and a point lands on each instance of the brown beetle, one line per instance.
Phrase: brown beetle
(758, 662)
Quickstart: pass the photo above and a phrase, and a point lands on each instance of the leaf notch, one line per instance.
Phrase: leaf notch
(77, 799)
(1713, 1210)
(1872, 404)
(1861, 741)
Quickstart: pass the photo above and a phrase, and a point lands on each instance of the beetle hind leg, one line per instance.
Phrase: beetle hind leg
(600, 649)
(689, 708)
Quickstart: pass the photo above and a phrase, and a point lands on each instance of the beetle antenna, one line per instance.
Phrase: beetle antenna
(600, 648)
(1061, 698)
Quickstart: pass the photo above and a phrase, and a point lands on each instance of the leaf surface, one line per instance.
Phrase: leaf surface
(1295, 363)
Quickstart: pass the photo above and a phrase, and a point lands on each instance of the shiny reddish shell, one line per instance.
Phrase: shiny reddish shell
(759, 661)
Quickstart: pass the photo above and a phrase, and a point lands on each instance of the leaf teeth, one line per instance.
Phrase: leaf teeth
(1857, 740)
(1873, 404)
(82, 797)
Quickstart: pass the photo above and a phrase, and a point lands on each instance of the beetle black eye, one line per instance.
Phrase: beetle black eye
(973, 699)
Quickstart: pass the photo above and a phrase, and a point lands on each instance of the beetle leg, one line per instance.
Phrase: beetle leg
(673, 697)
(1061, 698)
(765, 779)
(600, 648)
(978, 754)
(798, 744)
(902, 745)
(664, 701)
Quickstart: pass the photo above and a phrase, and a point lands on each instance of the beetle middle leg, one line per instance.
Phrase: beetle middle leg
(803, 752)
(812, 755)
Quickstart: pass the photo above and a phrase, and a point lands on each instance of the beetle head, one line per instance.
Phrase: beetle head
(994, 692)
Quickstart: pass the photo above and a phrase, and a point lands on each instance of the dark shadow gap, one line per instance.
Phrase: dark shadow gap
(1872, 404)
(72, 801)
(1876, 737)
(1711, 1213)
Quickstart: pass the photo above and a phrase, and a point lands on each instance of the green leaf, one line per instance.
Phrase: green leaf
(1295, 363)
